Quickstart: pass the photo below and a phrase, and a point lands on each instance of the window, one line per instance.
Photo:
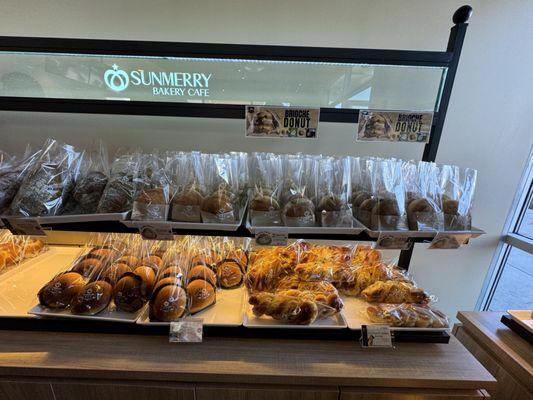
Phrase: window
(509, 284)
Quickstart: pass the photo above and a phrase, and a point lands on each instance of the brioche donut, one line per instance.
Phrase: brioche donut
(114, 273)
(131, 261)
(386, 207)
(240, 256)
(263, 202)
(229, 274)
(299, 206)
(202, 272)
(201, 295)
(329, 203)
(147, 275)
(172, 270)
(92, 298)
(169, 280)
(103, 252)
(417, 206)
(152, 261)
(168, 303)
(59, 292)
(87, 266)
(205, 259)
(128, 293)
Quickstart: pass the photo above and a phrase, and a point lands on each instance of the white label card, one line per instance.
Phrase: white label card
(156, 231)
(447, 240)
(393, 241)
(376, 336)
(186, 330)
(272, 236)
(25, 226)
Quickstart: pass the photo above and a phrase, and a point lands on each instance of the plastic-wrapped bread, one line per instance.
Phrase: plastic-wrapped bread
(407, 315)
(394, 292)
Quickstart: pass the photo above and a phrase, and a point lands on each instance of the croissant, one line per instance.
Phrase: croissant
(296, 308)
(394, 292)
(407, 315)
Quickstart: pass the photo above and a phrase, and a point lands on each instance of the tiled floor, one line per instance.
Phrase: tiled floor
(515, 288)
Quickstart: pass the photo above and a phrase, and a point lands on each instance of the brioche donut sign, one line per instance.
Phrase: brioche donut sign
(394, 126)
(282, 122)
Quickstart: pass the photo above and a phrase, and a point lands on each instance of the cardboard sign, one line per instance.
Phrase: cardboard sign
(394, 126)
(376, 336)
(282, 122)
(186, 330)
(25, 226)
(272, 237)
(156, 231)
(448, 240)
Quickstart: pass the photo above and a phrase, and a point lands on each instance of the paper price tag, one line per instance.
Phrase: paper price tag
(187, 330)
(447, 240)
(272, 237)
(154, 231)
(25, 226)
(376, 336)
(393, 241)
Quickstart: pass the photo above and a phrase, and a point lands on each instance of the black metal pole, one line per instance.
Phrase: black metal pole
(455, 45)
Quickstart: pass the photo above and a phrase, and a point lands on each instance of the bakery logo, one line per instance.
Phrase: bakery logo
(191, 84)
(116, 79)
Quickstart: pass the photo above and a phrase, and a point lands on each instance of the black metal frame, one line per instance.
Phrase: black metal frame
(448, 58)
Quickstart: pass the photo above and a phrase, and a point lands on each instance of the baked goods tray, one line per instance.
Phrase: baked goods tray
(354, 313)
(111, 313)
(227, 311)
(473, 233)
(524, 318)
(20, 284)
(355, 229)
(67, 219)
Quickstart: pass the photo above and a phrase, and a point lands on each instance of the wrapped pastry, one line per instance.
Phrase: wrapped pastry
(92, 298)
(457, 188)
(407, 315)
(153, 190)
(368, 274)
(202, 294)
(90, 183)
(394, 292)
(229, 273)
(61, 290)
(266, 177)
(334, 189)
(168, 303)
(294, 307)
(49, 183)
(129, 293)
(119, 192)
(13, 171)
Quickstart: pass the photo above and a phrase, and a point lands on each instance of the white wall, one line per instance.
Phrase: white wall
(487, 127)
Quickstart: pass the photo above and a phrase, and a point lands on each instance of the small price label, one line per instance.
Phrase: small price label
(25, 226)
(393, 241)
(156, 232)
(447, 240)
(186, 330)
(272, 237)
(376, 336)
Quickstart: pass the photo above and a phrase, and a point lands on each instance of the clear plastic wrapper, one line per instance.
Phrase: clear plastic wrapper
(406, 315)
(90, 183)
(334, 189)
(222, 204)
(13, 171)
(16, 249)
(394, 291)
(189, 187)
(361, 184)
(49, 183)
(385, 210)
(265, 194)
(457, 187)
(120, 190)
(299, 191)
(232, 262)
(152, 196)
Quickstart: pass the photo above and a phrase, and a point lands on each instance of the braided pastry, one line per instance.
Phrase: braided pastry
(324, 271)
(287, 306)
(266, 272)
(394, 292)
(407, 315)
(368, 275)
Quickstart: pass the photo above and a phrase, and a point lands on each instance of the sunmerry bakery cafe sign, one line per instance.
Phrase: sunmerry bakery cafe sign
(192, 84)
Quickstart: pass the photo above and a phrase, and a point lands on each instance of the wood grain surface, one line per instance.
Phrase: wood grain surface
(509, 350)
(77, 391)
(259, 361)
(11, 390)
(407, 394)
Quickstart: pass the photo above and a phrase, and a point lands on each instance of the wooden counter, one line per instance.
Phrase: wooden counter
(46, 365)
(505, 354)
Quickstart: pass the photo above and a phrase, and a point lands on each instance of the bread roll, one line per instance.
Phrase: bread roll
(169, 280)
(128, 293)
(201, 295)
(88, 266)
(330, 203)
(173, 270)
(147, 275)
(168, 303)
(202, 272)
(92, 298)
(114, 273)
(217, 203)
(189, 197)
(298, 207)
(418, 206)
(152, 261)
(59, 292)
(262, 202)
(229, 274)
(131, 261)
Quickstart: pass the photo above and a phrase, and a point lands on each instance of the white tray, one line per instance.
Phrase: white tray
(354, 313)
(474, 233)
(356, 229)
(336, 321)
(109, 314)
(19, 285)
(227, 311)
(523, 317)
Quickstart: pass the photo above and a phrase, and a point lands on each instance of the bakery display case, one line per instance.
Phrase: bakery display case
(215, 212)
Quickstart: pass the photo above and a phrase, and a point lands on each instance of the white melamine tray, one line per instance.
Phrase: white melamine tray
(109, 314)
(227, 311)
(523, 317)
(354, 312)
(20, 284)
